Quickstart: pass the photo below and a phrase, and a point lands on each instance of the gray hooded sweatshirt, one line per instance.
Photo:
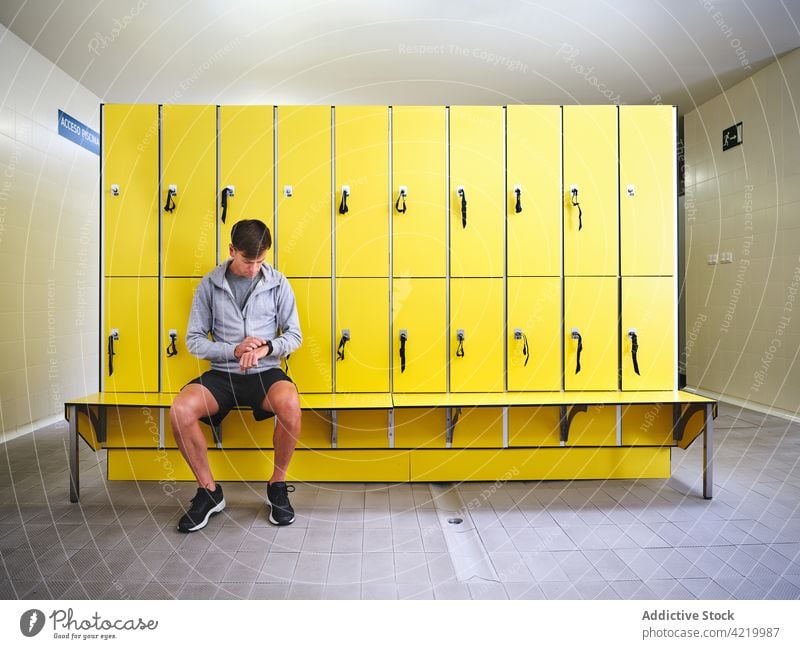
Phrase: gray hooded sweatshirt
(269, 313)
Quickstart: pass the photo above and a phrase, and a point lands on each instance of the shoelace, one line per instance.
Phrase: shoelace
(283, 493)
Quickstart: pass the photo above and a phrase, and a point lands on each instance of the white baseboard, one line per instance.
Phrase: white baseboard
(27, 429)
(749, 405)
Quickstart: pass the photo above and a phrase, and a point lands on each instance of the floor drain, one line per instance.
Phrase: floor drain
(455, 521)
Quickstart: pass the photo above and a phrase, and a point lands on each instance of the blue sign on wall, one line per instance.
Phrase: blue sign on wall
(82, 135)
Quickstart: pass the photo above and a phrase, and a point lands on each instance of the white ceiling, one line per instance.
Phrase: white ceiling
(679, 52)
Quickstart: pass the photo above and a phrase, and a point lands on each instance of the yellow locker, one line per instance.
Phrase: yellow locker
(477, 180)
(362, 173)
(130, 166)
(590, 327)
(362, 335)
(648, 312)
(533, 138)
(130, 358)
(189, 163)
(476, 335)
(310, 366)
(178, 366)
(419, 162)
(246, 155)
(647, 191)
(304, 191)
(590, 167)
(534, 333)
(419, 335)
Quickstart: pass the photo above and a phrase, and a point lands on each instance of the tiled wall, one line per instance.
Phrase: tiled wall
(743, 317)
(49, 243)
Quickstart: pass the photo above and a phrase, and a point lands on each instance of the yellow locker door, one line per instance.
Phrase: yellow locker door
(362, 171)
(310, 366)
(477, 168)
(304, 191)
(533, 139)
(189, 162)
(419, 335)
(178, 366)
(648, 310)
(476, 311)
(246, 164)
(647, 189)
(130, 167)
(362, 335)
(534, 333)
(590, 310)
(590, 166)
(131, 318)
(419, 163)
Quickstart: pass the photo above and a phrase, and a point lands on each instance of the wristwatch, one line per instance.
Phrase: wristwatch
(269, 344)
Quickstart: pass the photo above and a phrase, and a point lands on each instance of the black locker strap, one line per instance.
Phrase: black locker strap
(170, 205)
(463, 195)
(111, 353)
(403, 338)
(580, 349)
(518, 206)
(172, 348)
(224, 203)
(634, 351)
(578, 205)
(525, 349)
(401, 210)
(343, 209)
(460, 348)
(342, 342)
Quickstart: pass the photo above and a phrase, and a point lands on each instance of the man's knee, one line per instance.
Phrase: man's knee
(286, 407)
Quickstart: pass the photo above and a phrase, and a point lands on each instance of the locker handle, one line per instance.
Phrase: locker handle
(403, 339)
(111, 353)
(574, 193)
(460, 339)
(172, 192)
(520, 335)
(342, 342)
(576, 335)
(223, 203)
(343, 209)
(518, 206)
(634, 349)
(463, 195)
(172, 348)
(401, 197)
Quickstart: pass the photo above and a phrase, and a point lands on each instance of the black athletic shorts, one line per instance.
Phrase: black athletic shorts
(239, 390)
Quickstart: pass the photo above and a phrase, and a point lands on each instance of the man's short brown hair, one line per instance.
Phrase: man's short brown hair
(251, 237)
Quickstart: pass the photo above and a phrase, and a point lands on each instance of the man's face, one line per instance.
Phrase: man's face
(245, 266)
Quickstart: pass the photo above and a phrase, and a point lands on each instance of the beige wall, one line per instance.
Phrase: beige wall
(48, 241)
(743, 317)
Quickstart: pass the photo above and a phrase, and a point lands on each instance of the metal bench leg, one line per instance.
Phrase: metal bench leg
(708, 453)
(74, 468)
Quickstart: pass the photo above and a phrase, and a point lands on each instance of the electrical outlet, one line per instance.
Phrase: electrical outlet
(725, 257)
(712, 259)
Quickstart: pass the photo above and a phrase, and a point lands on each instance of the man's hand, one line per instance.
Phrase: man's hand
(251, 358)
(249, 344)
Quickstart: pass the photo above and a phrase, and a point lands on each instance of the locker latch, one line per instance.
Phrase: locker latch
(343, 209)
(287, 191)
(573, 191)
(460, 191)
(403, 339)
(172, 348)
(520, 335)
(111, 353)
(342, 342)
(115, 190)
(576, 335)
(403, 193)
(518, 194)
(460, 339)
(172, 192)
(227, 193)
(634, 349)
(631, 190)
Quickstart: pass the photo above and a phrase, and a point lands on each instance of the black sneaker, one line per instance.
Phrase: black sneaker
(281, 512)
(204, 505)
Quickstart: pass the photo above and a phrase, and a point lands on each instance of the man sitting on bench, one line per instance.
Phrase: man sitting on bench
(249, 309)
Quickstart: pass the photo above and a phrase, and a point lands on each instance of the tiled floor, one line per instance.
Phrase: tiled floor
(650, 539)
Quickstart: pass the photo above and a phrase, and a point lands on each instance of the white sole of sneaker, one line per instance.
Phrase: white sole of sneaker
(272, 520)
(210, 513)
